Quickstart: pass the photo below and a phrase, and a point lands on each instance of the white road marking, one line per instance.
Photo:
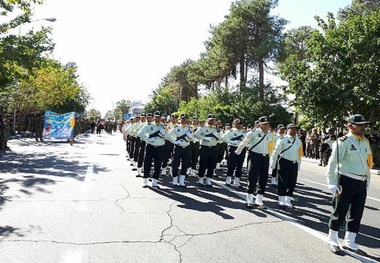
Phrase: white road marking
(294, 222)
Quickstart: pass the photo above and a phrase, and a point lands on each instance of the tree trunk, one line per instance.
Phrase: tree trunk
(242, 73)
(261, 79)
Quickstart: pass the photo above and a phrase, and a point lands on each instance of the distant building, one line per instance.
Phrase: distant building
(137, 108)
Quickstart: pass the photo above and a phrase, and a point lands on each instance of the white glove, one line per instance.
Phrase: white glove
(177, 142)
(238, 152)
(207, 139)
(234, 142)
(367, 186)
(216, 134)
(334, 189)
(152, 139)
(162, 131)
(188, 134)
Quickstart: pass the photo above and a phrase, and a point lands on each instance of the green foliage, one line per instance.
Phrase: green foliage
(124, 106)
(339, 75)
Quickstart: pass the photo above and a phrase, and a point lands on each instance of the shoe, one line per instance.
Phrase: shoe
(139, 175)
(249, 200)
(336, 250)
(134, 169)
(262, 206)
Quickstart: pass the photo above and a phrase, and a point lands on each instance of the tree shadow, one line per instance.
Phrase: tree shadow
(34, 172)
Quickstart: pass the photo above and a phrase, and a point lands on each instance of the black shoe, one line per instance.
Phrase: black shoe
(283, 207)
(209, 185)
(358, 251)
(320, 164)
(139, 175)
(262, 207)
(156, 187)
(250, 206)
(182, 186)
(336, 250)
(227, 184)
(134, 169)
(145, 186)
(200, 184)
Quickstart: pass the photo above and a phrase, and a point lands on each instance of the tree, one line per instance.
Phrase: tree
(124, 106)
(293, 60)
(358, 7)
(343, 77)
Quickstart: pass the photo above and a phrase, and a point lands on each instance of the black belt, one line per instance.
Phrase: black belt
(208, 146)
(282, 158)
(261, 154)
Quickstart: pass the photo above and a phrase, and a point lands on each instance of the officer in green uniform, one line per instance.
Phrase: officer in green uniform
(260, 144)
(286, 158)
(234, 161)
(348, 178)
(279, 135)
(194, 146)
(153, 133)
(208, 154)
(180, 136)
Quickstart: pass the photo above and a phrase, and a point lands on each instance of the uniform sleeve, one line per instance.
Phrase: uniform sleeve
(244, 142)
(198, 134)
(226, 137)
(170, 135)
(276, 152)
(337, 154)
(142, 133)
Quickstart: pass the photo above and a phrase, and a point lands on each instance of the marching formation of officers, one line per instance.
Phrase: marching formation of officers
(196, 148)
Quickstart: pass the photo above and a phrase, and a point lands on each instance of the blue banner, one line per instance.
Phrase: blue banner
(127, 116)
(58, 126)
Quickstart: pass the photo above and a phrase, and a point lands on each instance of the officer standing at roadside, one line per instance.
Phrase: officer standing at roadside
(348, 178)
(153, 133)
(286, 158)
(261, 143)
(208, 154)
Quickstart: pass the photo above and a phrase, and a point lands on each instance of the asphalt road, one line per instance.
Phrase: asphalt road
(83, 203)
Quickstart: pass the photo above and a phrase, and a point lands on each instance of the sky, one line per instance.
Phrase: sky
(123, 48)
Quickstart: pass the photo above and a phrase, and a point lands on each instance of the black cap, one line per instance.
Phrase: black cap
(183, 115)
(137, 117)
(291, 126)
(157, 114)
(174, 115)
(194, 118)
(263, 120)
(211, 116)
(142, 115)
(149, 114)
(227, 125)
(201, 121)
(280, 126)
(256, 122)
(357, 119)
(237, 121)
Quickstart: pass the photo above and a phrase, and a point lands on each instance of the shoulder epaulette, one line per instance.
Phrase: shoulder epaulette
(343, 138)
